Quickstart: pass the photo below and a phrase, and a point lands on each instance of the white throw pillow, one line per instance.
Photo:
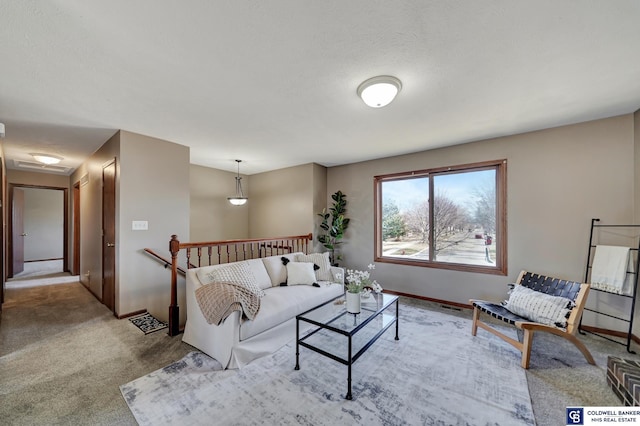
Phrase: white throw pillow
(276, 269)
(237, 273)
(539, 307)
(300, 273)
(320, 259)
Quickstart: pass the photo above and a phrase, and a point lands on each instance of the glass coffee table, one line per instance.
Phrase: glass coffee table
(343, 336)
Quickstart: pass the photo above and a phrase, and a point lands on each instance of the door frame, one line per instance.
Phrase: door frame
(65, 237)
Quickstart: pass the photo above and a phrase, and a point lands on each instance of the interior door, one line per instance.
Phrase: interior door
(76, 229)
(17, 232)
(109, 236)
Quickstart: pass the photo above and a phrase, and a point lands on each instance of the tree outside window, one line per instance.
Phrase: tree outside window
(449, 218)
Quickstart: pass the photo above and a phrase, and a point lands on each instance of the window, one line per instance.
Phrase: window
(451, 217)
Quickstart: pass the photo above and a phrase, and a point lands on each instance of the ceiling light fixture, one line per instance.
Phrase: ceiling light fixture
(239, 198)
(47, 159)
(379, 91)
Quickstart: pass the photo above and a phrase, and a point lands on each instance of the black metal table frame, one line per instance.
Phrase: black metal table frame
(325, 326)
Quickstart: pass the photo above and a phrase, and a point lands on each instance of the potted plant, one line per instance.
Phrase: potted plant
(357, 282)
(334, 224)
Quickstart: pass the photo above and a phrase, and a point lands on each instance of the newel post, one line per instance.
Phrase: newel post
(174, 309)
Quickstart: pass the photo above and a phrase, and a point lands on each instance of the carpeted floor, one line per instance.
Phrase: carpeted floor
(63, 357)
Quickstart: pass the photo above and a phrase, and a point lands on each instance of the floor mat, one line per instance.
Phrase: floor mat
(147, 323)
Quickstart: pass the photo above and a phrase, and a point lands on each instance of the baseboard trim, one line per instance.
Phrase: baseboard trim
(605, 331)
(132, 314)
(430, 299)
(613, 333)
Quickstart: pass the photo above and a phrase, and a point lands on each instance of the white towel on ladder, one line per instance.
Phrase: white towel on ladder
(609, 269)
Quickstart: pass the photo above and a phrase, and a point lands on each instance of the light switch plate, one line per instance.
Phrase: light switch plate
(139, 225)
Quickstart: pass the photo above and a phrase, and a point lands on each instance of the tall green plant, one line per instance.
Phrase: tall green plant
(334, 224)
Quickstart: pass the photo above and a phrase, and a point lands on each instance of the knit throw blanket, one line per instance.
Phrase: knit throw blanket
(218, 300)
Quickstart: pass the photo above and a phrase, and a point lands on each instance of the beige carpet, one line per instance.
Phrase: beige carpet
(63, 357)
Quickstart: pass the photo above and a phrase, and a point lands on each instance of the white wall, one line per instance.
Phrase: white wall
(557, 180)
(43, 224)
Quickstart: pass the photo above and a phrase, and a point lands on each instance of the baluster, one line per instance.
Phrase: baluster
(188, 250)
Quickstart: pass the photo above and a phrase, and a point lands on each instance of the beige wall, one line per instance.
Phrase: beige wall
(213, 218)
(636, 180)
(282, 202)
(152, 188)
(558, 179)
(3, 228)
(319, 202)
(37, 179)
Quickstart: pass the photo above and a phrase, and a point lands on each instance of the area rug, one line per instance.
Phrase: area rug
(437, 373)
(147, 323)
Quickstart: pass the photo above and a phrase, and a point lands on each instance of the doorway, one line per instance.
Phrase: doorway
(38, 224)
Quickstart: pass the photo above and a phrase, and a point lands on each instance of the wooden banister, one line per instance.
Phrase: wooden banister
(167, 262)
(226, 251)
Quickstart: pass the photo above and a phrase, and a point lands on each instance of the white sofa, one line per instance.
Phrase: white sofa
(237, 341)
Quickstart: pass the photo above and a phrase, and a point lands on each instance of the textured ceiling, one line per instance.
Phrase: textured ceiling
(274, 82)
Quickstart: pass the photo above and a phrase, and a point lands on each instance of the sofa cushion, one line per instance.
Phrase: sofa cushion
(320, 259)
(237, 273)
(300, 273)
(281, 304)
(276, 270)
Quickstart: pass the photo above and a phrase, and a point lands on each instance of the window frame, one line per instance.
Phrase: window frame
(500, 167)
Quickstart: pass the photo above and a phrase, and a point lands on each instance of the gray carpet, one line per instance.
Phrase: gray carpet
(437, 373)
(63, 357)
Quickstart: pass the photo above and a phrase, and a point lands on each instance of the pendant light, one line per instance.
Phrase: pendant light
(239, 199)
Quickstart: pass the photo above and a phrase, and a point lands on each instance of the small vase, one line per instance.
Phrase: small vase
(353, 303)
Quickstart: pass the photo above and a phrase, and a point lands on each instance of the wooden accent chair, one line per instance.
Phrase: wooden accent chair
(573, 290)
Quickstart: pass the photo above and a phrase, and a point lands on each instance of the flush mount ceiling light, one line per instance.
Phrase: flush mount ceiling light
(239, 198)
(47, 159)
(379, 91)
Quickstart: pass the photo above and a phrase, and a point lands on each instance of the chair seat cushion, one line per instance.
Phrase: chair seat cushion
(498, 311)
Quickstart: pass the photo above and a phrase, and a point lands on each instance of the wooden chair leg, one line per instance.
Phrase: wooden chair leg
(582, 347)
(526, 348)
(474, 324)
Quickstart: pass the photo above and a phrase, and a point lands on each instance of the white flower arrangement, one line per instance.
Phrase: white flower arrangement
(359, 281)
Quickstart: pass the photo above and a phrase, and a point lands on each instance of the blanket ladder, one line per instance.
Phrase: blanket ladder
(628, 229)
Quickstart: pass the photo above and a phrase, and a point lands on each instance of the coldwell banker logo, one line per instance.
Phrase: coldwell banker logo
(575, 416)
